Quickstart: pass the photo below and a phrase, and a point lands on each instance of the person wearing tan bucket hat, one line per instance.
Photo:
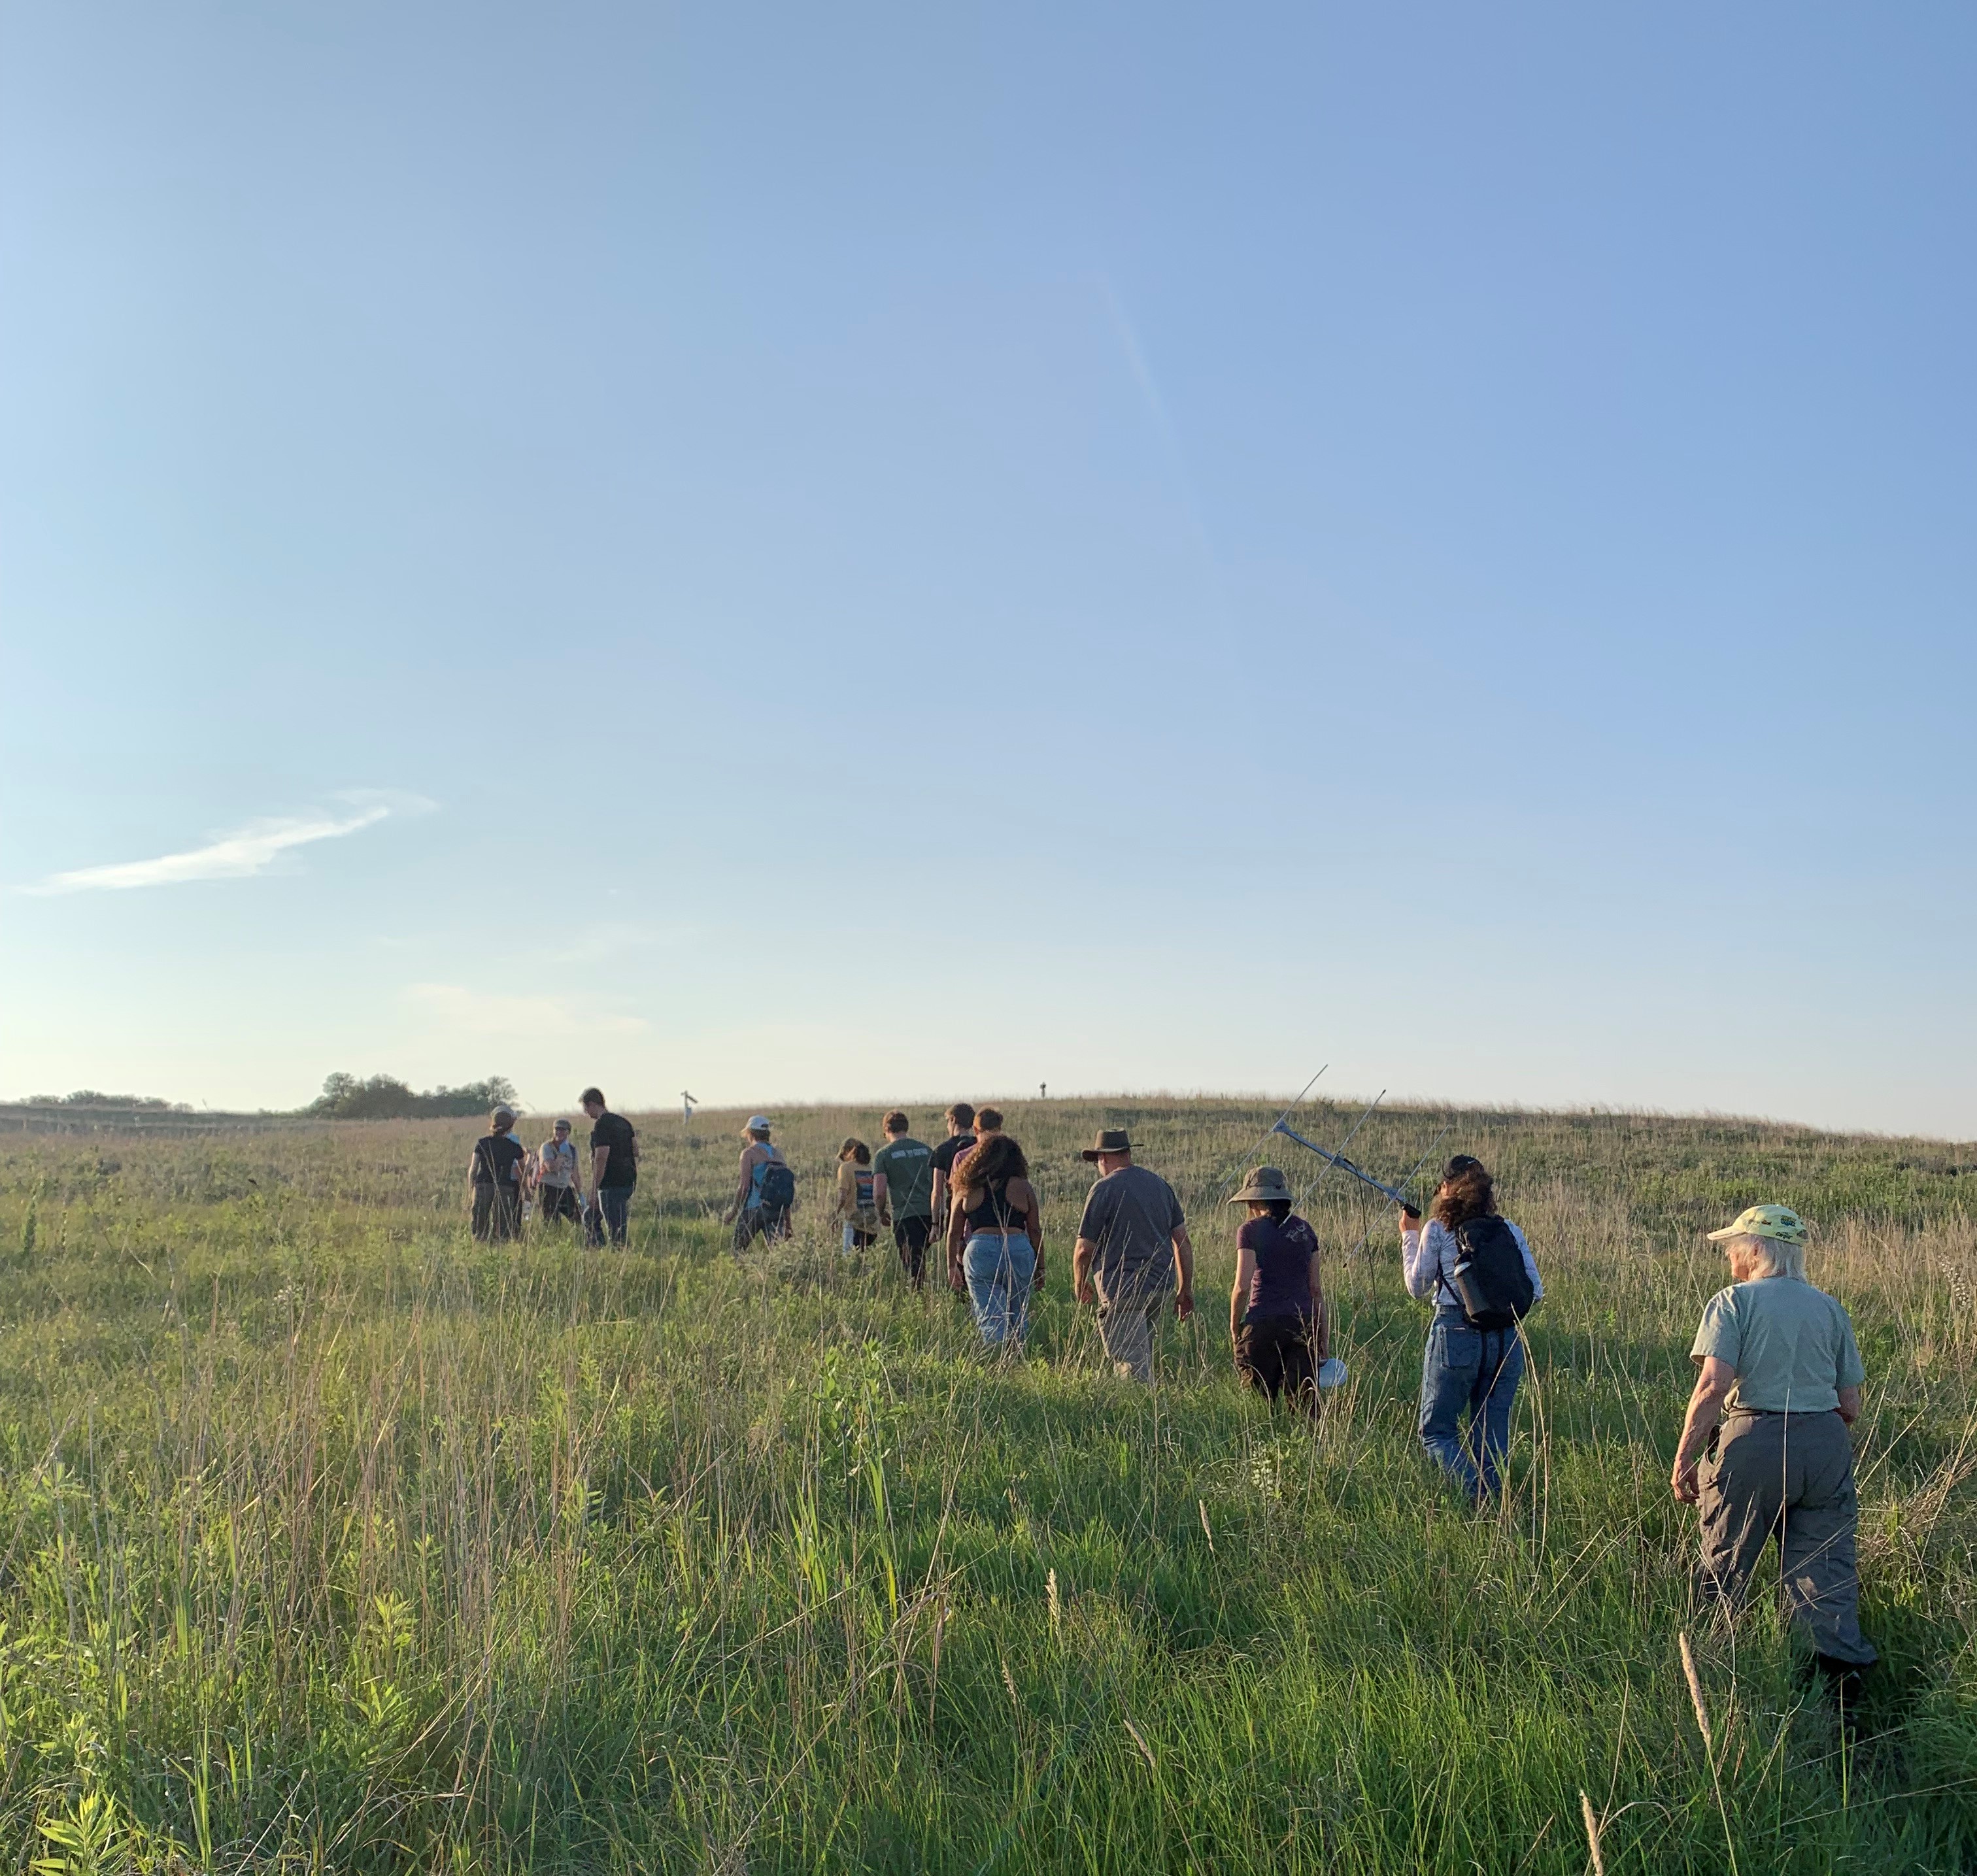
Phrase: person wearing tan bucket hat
(1779, 1359)
(1132, 1256)
(1278, 1325)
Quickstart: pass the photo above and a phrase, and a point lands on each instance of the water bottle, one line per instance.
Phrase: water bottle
(1469, 1290)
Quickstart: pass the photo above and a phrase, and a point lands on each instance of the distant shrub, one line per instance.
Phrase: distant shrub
(385, 1097)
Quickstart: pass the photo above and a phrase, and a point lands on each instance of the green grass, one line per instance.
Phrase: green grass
(329, 1538)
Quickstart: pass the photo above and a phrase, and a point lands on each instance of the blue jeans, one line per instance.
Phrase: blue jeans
(1478, 1369)
(610, 1213)
(1000, 1271)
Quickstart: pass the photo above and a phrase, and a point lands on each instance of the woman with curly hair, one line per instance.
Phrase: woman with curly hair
(995, 1233)
(1465, 1367)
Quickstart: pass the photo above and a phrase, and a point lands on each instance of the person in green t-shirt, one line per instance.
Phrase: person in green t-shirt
(1778, 1357)
(908, 1165)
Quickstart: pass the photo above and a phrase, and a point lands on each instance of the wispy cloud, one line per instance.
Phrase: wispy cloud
(239, 855)
(493, 1013)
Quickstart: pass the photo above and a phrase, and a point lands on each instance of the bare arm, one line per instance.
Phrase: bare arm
(1033, 1228)
(1083, 1255)
(957, 1236)
(1705, 1410)
(1183, 1247)
(740, 1199)
(600, 1158)
(1321, 1317)
(1849, 1404)
(1239, 1291)
(882, 1195)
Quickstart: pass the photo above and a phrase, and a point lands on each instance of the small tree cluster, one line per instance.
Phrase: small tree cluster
(385, 1097)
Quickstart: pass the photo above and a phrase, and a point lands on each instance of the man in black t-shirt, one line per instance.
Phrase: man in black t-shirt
(496, 1173)
(613, 1170)
(960, 1138)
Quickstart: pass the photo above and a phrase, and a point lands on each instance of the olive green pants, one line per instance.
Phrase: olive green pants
(1788, 1475)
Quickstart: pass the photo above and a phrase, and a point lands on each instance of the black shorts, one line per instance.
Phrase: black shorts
(558, 1201)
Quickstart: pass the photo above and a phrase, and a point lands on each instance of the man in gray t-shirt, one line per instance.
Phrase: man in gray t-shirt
(1133, 1253)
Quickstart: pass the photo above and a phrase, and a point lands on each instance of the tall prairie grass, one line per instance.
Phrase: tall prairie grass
(331, 1539)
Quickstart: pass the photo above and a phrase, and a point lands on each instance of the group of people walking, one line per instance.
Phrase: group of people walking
(1765, 1450)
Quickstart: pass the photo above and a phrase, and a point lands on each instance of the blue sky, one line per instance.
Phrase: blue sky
(900, 552)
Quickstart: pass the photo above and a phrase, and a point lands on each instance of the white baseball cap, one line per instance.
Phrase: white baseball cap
(758, 1123)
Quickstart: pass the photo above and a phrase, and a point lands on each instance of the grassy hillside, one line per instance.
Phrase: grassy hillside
(331, 1539)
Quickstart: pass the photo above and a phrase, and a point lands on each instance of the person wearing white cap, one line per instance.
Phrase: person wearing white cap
(1778, 1357)
(767, 1192)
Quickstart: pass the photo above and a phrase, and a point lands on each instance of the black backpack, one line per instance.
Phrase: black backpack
(1489, 1280)
(779, 1187)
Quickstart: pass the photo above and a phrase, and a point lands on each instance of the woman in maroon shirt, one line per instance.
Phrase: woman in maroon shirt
(1277, 1317)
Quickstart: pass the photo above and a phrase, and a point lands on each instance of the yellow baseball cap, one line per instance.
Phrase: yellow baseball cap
(1776, 1222)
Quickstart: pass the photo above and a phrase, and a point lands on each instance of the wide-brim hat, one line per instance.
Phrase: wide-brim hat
(1110, 1140)
(1264, 1184)
(1779, 1223)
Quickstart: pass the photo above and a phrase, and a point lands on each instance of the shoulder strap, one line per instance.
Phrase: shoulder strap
(1454, 1236)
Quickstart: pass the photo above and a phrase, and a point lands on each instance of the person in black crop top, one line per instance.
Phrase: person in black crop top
(1278, 1322)
(995, 1233)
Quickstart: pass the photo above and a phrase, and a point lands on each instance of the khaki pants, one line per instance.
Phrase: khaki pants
(1789, 1476)
(1129, 1321)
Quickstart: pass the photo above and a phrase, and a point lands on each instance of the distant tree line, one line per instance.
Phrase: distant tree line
(385, 1097)
(91, 1097)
